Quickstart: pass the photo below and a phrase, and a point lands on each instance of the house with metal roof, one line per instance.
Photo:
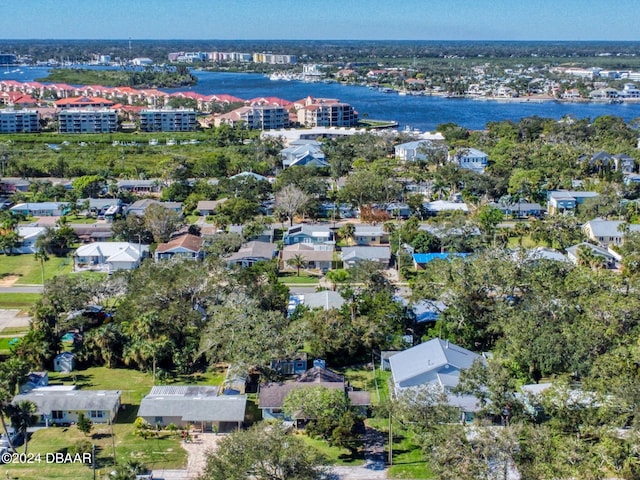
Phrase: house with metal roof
(435, 364)
(61, 405)
(609, 258)
(608, 232)
(308, 233)
(370, 235)
(42, 209)
(471, 159)
(109, 256)
(351, 256)
(252, 252)
(564, 201)
(303, 153)
(201, 406)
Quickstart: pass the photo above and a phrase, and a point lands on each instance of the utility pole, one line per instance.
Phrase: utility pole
(390, 460)
(93, 460)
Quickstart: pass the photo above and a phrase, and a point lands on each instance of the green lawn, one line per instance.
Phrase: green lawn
(80, 219)
(334, 455)
(23, 301)
(408, 459)
(27, 268)
(293, 278)
(161, 451)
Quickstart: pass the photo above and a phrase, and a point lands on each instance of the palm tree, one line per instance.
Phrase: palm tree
(22, 416)
(297, 262)
(347, 232)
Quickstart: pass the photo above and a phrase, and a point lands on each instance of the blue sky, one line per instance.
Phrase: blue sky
(327, 19)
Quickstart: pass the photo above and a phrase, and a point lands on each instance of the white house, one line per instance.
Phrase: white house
(303, 153)
(63, 404)
(414, 151)
(471, 159)
(109, 256)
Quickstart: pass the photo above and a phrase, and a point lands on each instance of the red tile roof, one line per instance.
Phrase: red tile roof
(84, 102)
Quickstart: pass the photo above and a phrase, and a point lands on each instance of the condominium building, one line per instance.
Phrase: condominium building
(274, 59)
(19, 121)
(263, 117)
(87, 120)
(329, 114)
(168, 120)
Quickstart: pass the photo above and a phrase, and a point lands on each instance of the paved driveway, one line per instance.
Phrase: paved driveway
(13, 319)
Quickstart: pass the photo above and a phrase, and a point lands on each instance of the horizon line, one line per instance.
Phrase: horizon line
(127, 39)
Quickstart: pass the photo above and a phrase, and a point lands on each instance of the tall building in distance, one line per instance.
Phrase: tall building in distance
(168, 120)
(87, 120)
(19, 121)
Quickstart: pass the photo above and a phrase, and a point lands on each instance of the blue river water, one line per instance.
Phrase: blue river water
(423, 113)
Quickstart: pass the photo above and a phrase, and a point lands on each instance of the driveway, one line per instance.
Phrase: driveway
(13, 319)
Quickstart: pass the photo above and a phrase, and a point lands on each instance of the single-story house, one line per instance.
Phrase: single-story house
(272, 395)
(520, 209)
(92, 232)
(608, 232)
(370, 235)
(439, 206)
(352, 255)
(140, 186)
(325, 299)
(140, 206)
(109, 256)
(64, 362)
(435, 364)
(11, 185)
(610, 258)
(61, 405)
(28, 236)
(316, 256)
(100, 206)
(42, 209)
(185, 246)
(209, 207)
(252, 252)
(201, 406)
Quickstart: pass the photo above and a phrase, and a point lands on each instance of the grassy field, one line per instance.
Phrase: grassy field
(161, 451)
(22, 301)
(293, 278)
(27, 268)
(334, 455)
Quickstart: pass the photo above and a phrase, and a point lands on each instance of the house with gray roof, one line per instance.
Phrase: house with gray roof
(139, 207)
(303, 153)
(308, 233)
(201, 406)
(272, 395)
(435, 364)
(315, 256)
(608, 232)
(325, 299)
(609, 258)
(60, 405)
(351, 256)
(471, 159)
(566, 201)
(252, 252)
(41, 209)
(415, 151)
(370, 235)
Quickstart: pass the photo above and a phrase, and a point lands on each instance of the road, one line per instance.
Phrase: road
(22, 289)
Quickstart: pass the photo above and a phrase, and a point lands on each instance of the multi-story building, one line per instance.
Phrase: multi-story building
(87, 120)
(19, 121)
(274, 59)
(263, 117)
(327, 113)
(168, 120)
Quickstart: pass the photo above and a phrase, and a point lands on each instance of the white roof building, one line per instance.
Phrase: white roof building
(109, 256)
